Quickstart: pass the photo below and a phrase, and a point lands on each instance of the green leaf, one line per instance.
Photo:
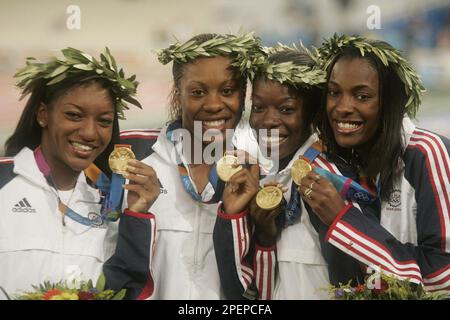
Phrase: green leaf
(186, 45)
(124, 82)
(87, 56)
(57, 71)
(101, 282)
(113, 61)
(132, 101)
(119, 295)
(224, 49)
(59, 78)
(84, 67)
(108, 59)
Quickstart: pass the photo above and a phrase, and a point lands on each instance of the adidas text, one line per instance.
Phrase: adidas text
(27, 210)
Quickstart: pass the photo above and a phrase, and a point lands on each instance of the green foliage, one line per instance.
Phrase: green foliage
(288, 72)
(100, 286)
(76, 63)
(75, 290)
(388, 55)
(244, 48)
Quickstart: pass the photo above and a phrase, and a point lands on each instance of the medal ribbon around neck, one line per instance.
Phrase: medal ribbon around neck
(217, 184)
(293, 209)
(347, 188)
(111, 192)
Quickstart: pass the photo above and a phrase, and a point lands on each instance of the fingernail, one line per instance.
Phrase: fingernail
(132, 161)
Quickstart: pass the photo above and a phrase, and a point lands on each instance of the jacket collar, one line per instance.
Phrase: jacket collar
(25, 165)
(408, 129)
(164, 147)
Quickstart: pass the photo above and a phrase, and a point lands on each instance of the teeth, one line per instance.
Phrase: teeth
(272, 140)
(215, 123)
(82, 147)
(347, 125)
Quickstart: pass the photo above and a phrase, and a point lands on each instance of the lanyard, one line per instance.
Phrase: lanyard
(293, 209)
(217, 184)
(110, 191)
(348, 188)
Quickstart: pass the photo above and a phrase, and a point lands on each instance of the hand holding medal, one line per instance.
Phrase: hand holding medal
(304, 176)
(119, 157)
(269, 197)
(300, 169)
(265, 208)
(242, 183)
(227, 166)
(144, 184)
(321, 195)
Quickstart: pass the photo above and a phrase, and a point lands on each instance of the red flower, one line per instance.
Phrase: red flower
(359, 288)
(83, 295)
(50, 293)
(383, 287)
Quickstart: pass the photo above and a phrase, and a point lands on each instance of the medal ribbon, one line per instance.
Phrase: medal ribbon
(101, 181)
(111, 189)
(217, 184)
(348, 188)
(293, 209)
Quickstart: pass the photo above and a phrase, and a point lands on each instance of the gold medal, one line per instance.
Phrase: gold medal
(118, 159)
(299, 170)
(226, 167)
(269, 197)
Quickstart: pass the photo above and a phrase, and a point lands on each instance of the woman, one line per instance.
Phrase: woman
(207, 100)
(53, 213)
(371, 91)
(285, 96)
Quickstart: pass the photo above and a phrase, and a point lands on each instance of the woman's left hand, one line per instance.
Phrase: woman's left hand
(324, 199)
(143, 189)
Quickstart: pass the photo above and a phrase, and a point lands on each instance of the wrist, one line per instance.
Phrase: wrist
(221, 213)
(265, 239)
(146, 215)
(232, 210)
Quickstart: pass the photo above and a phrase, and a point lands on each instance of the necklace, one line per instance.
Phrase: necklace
(64, 199)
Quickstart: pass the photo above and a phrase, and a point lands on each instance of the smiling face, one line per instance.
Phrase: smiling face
(210, 92)
(275, 106)
(353, 102)
(77, 127)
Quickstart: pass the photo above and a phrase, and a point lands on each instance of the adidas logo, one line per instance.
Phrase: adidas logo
(23, 206)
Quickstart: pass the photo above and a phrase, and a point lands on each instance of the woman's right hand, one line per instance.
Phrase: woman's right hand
(266, 229)
(143, 189)
(242, 186)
